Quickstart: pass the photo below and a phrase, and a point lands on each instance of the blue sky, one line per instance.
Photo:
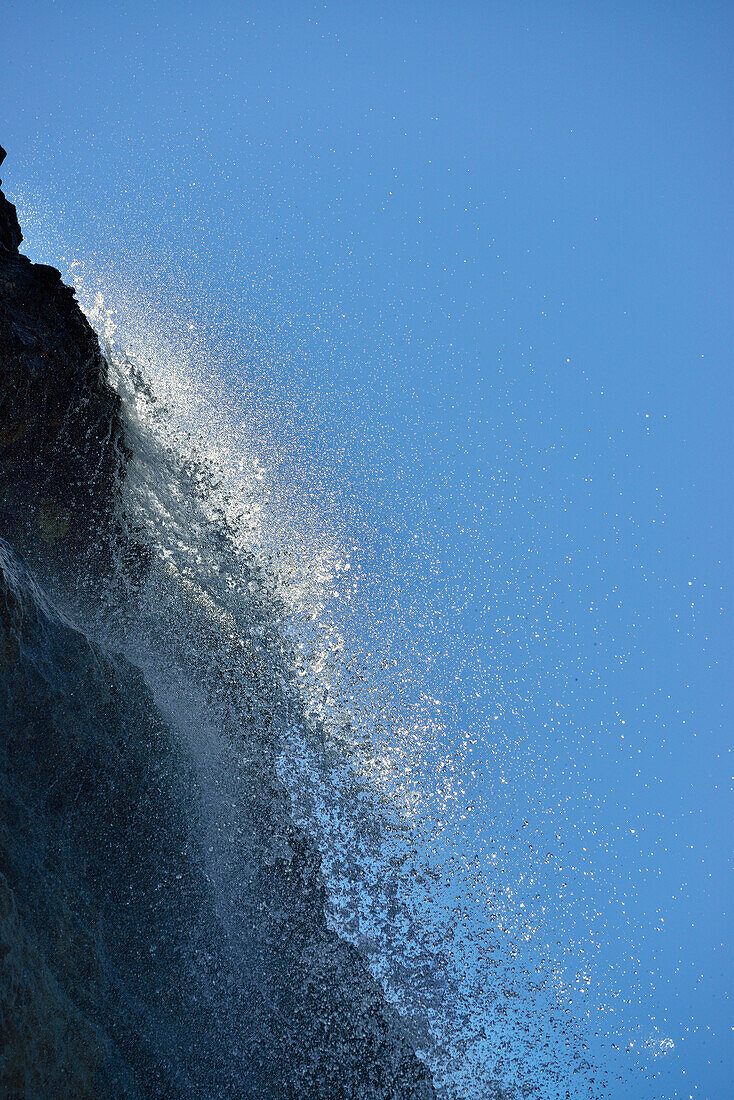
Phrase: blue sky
(480, 258)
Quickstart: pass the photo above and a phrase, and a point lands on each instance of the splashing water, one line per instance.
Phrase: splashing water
(254, 594)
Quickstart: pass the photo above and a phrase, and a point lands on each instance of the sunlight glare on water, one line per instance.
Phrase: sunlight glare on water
(463, 909)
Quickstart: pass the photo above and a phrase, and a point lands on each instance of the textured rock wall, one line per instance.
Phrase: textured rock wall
(61, 437)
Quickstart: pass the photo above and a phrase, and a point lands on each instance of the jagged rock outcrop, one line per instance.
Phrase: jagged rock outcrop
(120, 974)
(61, 436)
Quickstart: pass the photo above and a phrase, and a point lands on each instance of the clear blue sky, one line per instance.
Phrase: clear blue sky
(481, 256)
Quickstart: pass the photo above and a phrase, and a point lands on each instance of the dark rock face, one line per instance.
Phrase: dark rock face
(90, 879)
(120, 975)
(61, 437)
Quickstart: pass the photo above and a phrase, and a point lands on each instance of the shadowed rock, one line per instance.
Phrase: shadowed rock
(61, 436)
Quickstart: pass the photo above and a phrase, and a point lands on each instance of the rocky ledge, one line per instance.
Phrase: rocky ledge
(61, 436)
